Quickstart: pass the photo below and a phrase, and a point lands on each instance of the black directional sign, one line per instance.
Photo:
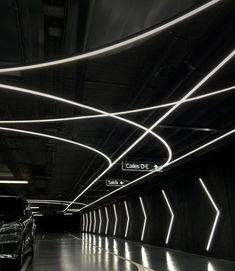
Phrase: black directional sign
(140, 166)
(116, 182)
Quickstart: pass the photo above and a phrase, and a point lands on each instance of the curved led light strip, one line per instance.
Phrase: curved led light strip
(115, 46)
(100, 217)
(134, 111)
(145, 219)
(83, 222)
(94, 221)
(172, 217)
(58, 139)
(152, 172)
(66, 101)
(90, 227)
(107, 221)
(128, 219)
(216, 217)
(116, 220)
(87, 222)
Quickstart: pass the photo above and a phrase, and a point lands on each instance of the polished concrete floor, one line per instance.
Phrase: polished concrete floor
(88, 252)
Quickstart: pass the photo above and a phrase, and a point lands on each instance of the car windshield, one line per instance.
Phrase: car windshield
(10, 207)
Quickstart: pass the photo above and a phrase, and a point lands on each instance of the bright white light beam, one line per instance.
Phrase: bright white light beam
(107, 220)
(87, 222)
(100, 224)
(83, 222)
(13, 182)
(128, 219)
(145, 218)
(172, 217)
(216, 217)
(118, 45)
(90, 227)
(116, 220)
(94, 221)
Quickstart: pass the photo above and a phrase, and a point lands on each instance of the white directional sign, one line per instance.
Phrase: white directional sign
(140, 166)
(116, 182)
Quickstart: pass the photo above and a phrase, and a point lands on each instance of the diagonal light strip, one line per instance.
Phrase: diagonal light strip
(116, 220)
(193, 90)
(172, 217)
(107, 221)
(153, 172)
(128, 219)
(90, 227)
(58, 139)
(94, 221)
(134, 111)
(87, 222)
(216, 217)
(145, 218)
(115, 46)
(100, 224)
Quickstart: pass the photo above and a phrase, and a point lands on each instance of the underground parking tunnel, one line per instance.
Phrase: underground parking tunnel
(117, 128)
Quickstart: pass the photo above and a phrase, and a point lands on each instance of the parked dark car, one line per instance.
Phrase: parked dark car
(17, 229)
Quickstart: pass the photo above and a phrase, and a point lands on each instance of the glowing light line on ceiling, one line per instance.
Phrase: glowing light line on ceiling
(90, 227)
(216, 217)
(152, 172)
(58, 139)
(196, 98)
(100, 224)
(172, 217)
(128, 219)
(116, 220)
(145, 218)
(94, 221)
(107, 221)
(118, 45)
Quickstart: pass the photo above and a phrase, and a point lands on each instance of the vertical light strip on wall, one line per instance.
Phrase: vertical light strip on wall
(90, 227)
(145, 218)
(94, 222)
(216, 217)
(100, 224)
(172, 217)
(83, 222)
(128, 219)
(116, 220)
(87, 222)
(107, 221)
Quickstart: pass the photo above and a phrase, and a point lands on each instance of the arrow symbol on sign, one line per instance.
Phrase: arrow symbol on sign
(157, 168)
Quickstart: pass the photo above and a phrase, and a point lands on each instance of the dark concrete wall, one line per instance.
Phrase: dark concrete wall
(194, 213)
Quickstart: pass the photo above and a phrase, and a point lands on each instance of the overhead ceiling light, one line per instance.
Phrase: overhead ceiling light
(13, 182)
(68, 214)
(115, 46)
(38, 215)
(34, 207)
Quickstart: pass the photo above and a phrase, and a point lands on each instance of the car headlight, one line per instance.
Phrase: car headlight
(10, 233)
